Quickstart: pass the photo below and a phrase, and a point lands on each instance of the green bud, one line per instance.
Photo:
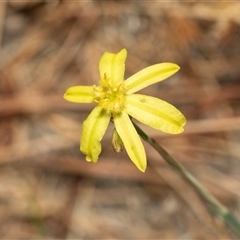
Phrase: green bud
(117, 142)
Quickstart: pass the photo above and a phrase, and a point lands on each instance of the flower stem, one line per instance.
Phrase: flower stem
(216, 207)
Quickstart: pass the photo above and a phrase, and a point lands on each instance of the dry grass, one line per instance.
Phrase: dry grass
(47, 188)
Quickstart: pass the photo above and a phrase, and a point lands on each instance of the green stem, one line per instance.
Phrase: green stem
(216, 207)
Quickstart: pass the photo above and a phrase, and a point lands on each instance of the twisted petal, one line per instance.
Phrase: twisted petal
(156, 113)
(112, 67)
(149, 76)
(79, 94)
(93, 130)
(131, 140)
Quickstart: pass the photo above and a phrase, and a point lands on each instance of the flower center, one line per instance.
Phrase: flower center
(109, 97)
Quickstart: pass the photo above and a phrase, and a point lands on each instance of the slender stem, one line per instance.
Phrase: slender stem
(216, 207)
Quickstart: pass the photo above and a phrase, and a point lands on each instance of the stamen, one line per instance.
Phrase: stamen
(108, 97)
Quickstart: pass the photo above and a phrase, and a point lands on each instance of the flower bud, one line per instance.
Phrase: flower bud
(117, 142)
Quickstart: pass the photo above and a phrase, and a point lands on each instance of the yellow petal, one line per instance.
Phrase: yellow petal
(131, 140)
(79, 94)
(112, 67)
(94, 127)
(149, 76)
(156, 113)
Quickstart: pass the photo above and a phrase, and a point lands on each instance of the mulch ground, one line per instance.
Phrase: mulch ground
(48, 190)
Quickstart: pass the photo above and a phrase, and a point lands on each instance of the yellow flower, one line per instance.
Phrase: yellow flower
(116, 99)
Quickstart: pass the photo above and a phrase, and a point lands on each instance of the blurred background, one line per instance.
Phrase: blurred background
(47, 188)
